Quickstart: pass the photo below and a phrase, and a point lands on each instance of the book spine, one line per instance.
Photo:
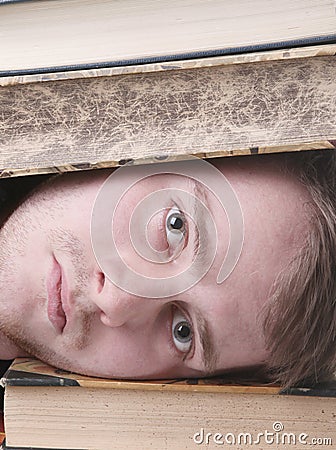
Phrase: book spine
(280, 45)
(6, 447)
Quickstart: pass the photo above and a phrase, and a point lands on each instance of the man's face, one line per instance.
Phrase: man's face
(57, 304)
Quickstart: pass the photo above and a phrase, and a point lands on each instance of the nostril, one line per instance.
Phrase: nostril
(101, 281)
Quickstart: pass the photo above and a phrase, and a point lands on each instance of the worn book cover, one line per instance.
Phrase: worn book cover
(111, 33)
(43, 402)
(33, 372)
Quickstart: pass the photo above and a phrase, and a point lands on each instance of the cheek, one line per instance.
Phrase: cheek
(113, 354)
(140, 247)
(77, 215)
(130, 203)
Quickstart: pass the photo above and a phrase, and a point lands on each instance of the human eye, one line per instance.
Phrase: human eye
(182, 332)
(175, 227)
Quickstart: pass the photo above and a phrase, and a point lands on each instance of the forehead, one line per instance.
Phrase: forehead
(276, 220)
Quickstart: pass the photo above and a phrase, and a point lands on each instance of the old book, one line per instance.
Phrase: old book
(262, 102)
(203, 78)
(49, 408)
(65, 34)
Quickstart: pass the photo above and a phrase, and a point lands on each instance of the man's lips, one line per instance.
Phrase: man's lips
(56, 292)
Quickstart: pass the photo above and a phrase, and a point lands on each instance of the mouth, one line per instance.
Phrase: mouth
(55, 293)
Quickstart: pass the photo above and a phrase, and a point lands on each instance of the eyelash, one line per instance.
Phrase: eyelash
(190, 352)
(162, 226)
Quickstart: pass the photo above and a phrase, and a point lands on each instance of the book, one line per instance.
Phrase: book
(50, 408)
(65, 34)
(247, 104)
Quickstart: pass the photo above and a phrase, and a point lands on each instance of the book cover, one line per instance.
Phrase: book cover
(127, 33)
(32, 372)
(205, 112)
(102, 414)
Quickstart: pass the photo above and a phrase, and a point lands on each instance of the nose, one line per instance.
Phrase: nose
(118, 308)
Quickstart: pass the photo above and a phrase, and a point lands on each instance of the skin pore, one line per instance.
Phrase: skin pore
(111, 333)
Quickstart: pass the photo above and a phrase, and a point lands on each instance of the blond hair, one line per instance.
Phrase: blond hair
(300, 318)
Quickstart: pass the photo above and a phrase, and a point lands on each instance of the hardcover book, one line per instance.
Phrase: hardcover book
(62, 35)
(49, 408)
(253, 104)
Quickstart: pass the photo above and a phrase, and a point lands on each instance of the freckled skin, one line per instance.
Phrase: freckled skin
(116, 334)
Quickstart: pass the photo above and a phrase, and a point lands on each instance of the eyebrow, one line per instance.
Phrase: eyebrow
(209, 355)
(200, 193)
